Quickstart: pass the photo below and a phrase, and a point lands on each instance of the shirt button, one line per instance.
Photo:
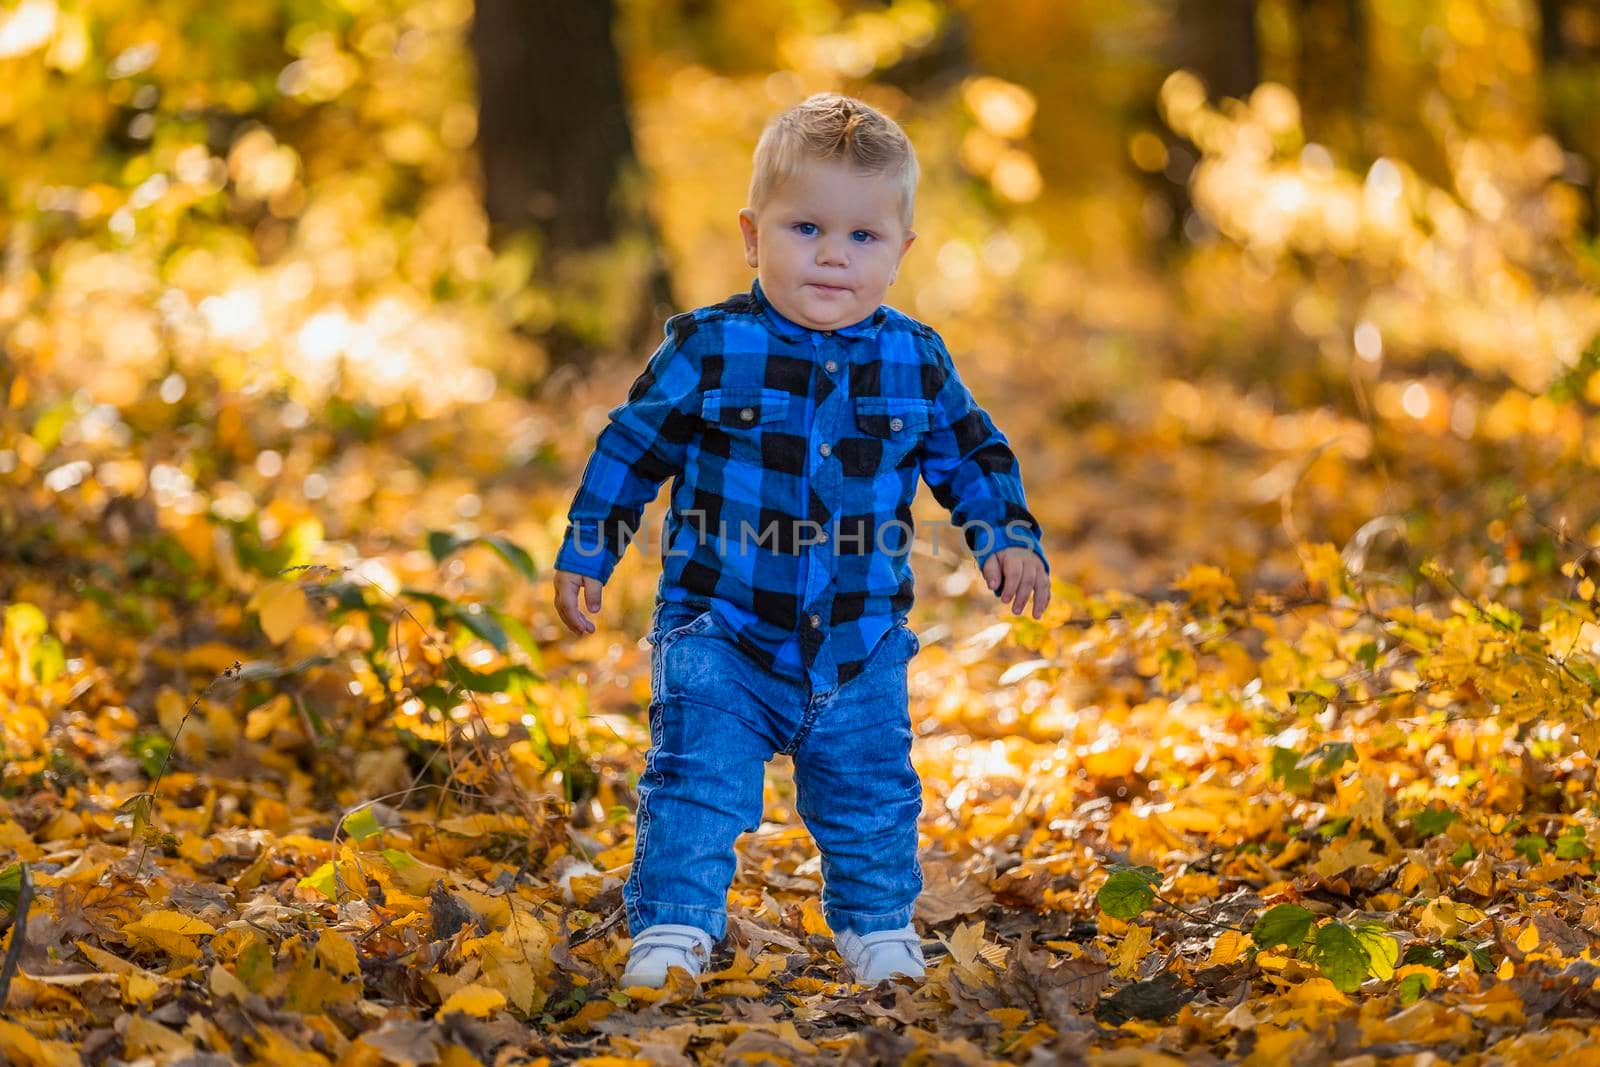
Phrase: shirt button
(747, 414)
(895, 424)
(816, 621)
(822, 538)
(825, 448)
(830, 366)
(827, 333)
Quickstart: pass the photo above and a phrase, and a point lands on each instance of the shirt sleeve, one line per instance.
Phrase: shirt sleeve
(968, 463)
(643, 444)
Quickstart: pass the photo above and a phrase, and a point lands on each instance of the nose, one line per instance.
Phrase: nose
(831, 253)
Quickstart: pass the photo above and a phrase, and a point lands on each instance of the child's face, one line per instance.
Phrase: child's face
(827, 244)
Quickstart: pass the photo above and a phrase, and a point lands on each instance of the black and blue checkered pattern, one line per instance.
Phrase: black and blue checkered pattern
(794, 455)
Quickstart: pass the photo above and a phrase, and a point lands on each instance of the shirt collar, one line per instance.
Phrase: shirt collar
(784, 327)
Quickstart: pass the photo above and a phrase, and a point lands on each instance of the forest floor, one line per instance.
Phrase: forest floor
(1236, 798)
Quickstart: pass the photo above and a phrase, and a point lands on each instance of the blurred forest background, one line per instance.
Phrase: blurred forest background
(310, 312)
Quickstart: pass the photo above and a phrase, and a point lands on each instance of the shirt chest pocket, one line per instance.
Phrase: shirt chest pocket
(736, 419)
(889, 429)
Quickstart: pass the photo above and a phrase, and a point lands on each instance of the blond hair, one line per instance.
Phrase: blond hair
(829, 126)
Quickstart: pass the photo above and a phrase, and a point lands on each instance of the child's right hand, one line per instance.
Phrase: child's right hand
(567, 585)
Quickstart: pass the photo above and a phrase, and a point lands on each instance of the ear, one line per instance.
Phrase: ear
(911, 235)
(747, 226)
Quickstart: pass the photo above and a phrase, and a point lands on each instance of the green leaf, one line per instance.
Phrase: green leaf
(322, 880)
(1285, 767)
(519, 634)
(1308, 703)
(378, 627)
(1334, 827)
(1425, 954)
(1570, 845)
(362, 824)
(1129, 891)
(1367, 655)
(1463, 854)
(1414, 986)
(397, 859)
(1531, 846)
(484, 625)
(1433, 821)
(433, 600)
(1329, 757)
(11, 886)
(1383, 950)
(442, 542)
(150, 749)
(1341, 957)
(513, 554)
(1285, 924)
(1478, 954)
(504, 680)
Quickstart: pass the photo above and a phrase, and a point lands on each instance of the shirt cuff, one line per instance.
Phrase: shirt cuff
(583, 551)
(992, 538)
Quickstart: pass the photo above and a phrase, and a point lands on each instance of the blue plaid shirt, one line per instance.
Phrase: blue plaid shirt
(796, 454)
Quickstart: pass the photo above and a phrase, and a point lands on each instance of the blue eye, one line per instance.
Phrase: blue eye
(868, 233)
(800, 226)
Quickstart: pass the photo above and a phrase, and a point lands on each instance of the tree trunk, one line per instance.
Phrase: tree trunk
(556, 148)
(1331, 76)
(1569, 93)
(1216, 40)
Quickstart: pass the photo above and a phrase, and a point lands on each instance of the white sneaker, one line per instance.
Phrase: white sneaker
(662, 946)
(874, 957)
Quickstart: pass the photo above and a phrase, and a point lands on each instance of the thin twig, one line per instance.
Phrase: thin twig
(19, 935)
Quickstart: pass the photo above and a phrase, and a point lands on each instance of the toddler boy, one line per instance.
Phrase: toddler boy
(794, 421)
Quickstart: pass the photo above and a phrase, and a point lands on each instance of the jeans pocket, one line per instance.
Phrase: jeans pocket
(913, 644)
(672, 618)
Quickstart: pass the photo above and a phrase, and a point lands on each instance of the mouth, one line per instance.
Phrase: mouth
(828, 288)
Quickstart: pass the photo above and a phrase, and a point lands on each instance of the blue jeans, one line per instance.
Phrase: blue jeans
(716, 718)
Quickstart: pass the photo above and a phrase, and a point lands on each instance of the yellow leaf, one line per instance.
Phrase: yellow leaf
(1589, 738)
(142, 988)
(1383, 952)
(474, 1000)
(965, 943)
(1528, 940)
(21, 1047)
(1343, 855)
(224, 983)
(1447, 918)
(145, 1039)
(170, 931)
(1228, 946)
(732, 989)
(811, 918)
(1208, 587)
(267, 717)
(1133, 949)
(338, 953)
(516, 961)
(282, 608)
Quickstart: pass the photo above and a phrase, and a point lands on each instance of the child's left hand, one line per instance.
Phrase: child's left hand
(1013, 574)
